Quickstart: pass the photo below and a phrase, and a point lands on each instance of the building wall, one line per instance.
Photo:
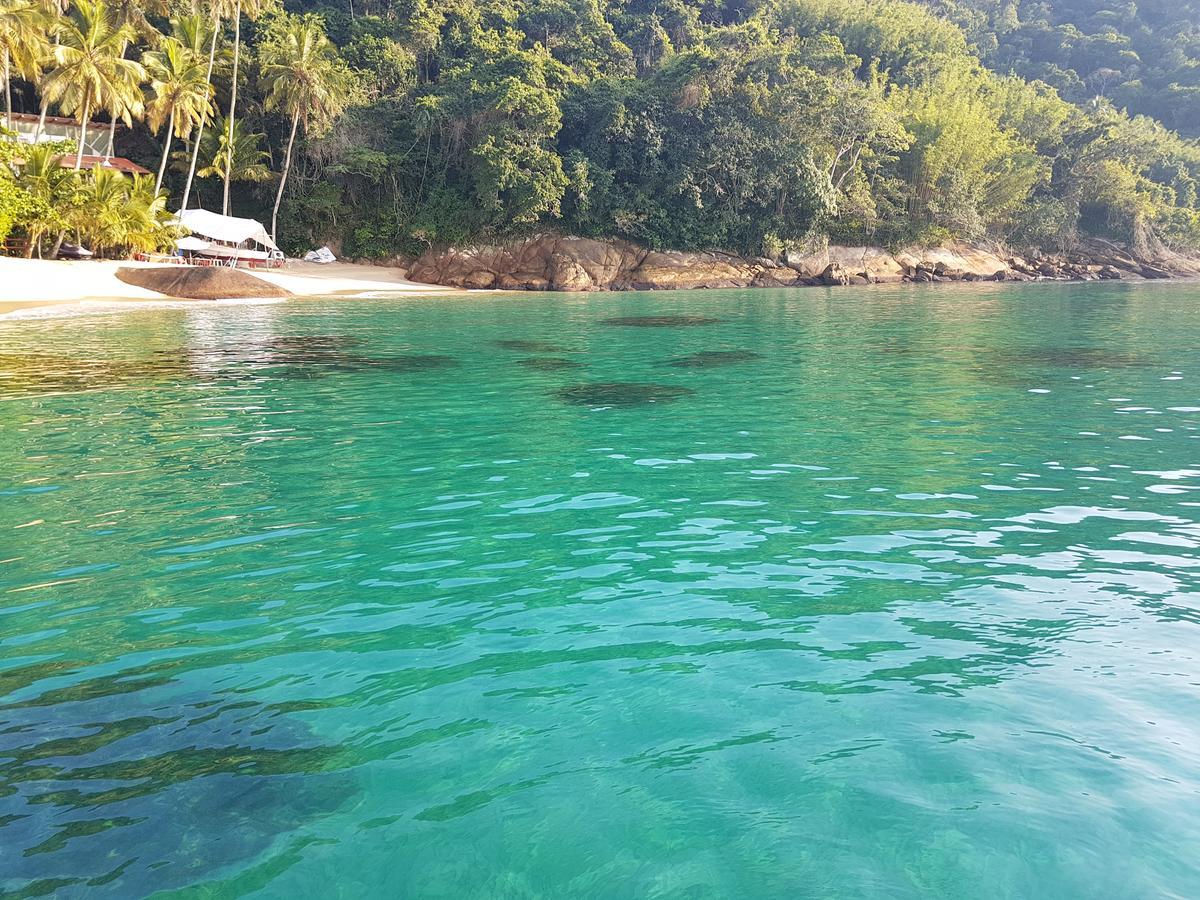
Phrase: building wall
(95, 139)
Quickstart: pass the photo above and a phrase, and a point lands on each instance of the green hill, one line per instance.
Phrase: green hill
(752, 126)
(1144, 57)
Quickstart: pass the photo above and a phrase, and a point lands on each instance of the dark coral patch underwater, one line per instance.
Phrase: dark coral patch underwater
(621, 393)
(711, 359)
(548, 363)
(661, 321)
(533, 346)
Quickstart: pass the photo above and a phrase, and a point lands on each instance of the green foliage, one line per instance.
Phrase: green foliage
(52, 190)
(114, 214)
(1144, 57)
(16, 203)
(748, 125)
(242, 157)
(90, 71)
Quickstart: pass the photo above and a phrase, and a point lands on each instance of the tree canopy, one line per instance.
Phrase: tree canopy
(745, 125)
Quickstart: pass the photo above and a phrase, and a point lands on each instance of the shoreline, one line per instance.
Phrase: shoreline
(32, 285)
(573, 264)
(40, 289)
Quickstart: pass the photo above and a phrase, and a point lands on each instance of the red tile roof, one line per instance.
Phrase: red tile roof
(111, 162)
(57, 120)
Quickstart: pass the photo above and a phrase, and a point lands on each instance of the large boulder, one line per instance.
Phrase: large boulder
(196, 283)
(545, 262)
(871, 263)
(676, 270)
(834, 274)
(957, 258)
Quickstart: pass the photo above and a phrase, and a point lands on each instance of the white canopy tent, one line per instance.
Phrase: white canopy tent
(192, 243)
(231, 229)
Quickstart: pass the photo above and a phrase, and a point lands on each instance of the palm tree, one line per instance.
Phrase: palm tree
(252, 8)
(118, 213)
(132, 13)
(53, 189)
(125, 105)
(304, 78)
(242, 160)
(180, 93)
(220, 9)
(148, 224)
(91, 68)
(23, 44)
(99, 218)
(54, 11)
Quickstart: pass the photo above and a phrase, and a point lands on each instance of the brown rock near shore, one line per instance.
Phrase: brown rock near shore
(559, 263)
(674, 270)
(194, 283)
(543, 263)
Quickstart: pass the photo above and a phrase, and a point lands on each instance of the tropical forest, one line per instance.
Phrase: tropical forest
(389, 126)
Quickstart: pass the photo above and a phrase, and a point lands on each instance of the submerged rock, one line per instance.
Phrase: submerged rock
(661, 321)
(548, 363)
(1070, 358)
(709, 359)
(621, 393)
(316, 365)
(313, 343)
(532, 346)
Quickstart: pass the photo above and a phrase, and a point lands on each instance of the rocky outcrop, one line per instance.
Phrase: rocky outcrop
(543, 263)
(194, 283)
(559, 263)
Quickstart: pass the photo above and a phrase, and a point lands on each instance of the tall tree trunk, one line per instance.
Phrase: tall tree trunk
(87, 110)
(212, 55)
(8, 90)
(287, 166)
(237, 47)
(162, 166)
(41, 126)
(112, 128)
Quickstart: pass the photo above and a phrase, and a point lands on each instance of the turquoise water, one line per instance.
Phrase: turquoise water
(885, 593)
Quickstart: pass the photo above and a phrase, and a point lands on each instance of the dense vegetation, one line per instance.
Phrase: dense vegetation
(1144, 56)
(749, 125)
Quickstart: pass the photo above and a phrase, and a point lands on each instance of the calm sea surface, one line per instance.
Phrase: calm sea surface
(888, 593)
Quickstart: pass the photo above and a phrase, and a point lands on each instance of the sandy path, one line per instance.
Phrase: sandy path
(28, 283)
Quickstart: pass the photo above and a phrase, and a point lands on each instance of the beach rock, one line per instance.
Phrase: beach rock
(195, 283)
(834, 274)
(1151, 271)
(546, 262)
(780, 276)
(956, 257)
(565, 263)
(676, 270)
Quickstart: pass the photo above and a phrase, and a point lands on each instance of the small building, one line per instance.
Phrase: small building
(57, 128)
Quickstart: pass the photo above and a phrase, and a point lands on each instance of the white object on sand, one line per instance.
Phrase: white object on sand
(324, 255)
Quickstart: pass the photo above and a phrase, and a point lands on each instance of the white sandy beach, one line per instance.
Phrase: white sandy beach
(29, 283)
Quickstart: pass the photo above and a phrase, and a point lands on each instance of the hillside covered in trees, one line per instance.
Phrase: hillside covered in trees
(1141, 56)
(749, 126)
